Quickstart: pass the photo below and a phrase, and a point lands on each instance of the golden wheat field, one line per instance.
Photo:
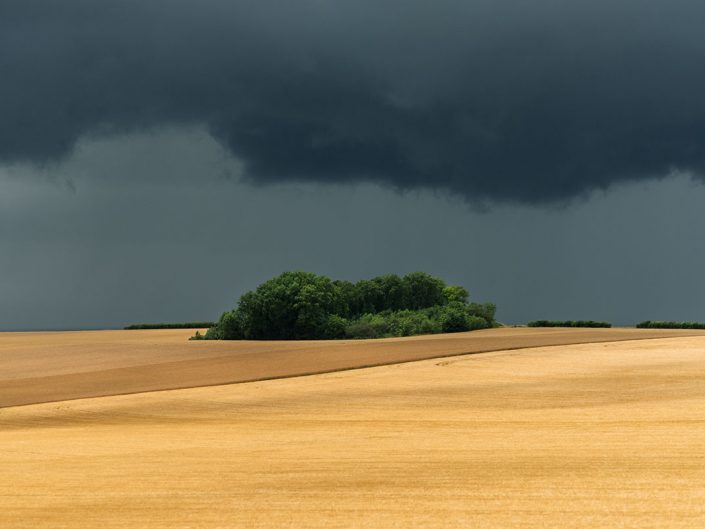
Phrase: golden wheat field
(602, 434)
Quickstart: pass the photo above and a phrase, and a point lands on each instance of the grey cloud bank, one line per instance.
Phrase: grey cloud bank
(116, 245)
(529, 102)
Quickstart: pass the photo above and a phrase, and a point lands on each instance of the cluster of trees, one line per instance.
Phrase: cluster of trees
(569, 323)
(184, 325)
(648, 324)
(306, 306)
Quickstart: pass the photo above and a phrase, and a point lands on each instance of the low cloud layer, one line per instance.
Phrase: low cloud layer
(117, 246)
(486, 99)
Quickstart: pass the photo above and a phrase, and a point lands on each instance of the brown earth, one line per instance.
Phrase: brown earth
(56, 366)
(584, 436)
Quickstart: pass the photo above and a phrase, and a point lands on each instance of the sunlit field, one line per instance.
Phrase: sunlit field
(607, 434)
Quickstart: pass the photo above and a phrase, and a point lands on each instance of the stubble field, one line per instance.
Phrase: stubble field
(605, 434)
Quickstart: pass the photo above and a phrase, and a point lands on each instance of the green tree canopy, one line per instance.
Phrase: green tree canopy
(302, 305)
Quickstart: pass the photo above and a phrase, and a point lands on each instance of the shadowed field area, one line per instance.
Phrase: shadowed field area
(55, 366)
(581, 436)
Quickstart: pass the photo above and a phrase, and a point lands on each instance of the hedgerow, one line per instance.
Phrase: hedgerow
(648, 324)
(569, 323)
(186, 325)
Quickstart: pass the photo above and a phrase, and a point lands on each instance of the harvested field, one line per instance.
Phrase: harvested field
(593, 435)
(56, 366)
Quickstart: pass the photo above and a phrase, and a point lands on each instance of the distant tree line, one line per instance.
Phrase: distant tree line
(306, 306)
(186, 325)
(648, 324)
(569, 323)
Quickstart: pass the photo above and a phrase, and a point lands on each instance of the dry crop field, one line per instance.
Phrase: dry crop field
(606, 432)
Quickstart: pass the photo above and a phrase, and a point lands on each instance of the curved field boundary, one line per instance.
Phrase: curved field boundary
(48, 367)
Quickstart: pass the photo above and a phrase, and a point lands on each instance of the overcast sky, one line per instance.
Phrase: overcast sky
(159, 158)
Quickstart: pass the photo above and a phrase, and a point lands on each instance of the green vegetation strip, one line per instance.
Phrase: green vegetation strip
(186, 325)
(306, 306)
(648, 324)
(569, 323)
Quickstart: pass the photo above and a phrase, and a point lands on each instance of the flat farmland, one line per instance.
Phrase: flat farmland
(40, 367)
(603, 434)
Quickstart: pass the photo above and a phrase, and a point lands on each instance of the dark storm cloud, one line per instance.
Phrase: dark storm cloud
(507, 100)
